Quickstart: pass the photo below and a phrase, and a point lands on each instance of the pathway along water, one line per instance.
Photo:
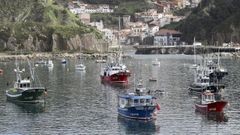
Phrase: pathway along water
(78, 103)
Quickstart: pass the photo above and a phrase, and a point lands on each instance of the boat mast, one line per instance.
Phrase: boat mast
(17, 70)
(194, 49)
(31, 71)
(118, 42)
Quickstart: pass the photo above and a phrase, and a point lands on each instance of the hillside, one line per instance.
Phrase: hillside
(211, 21)
(41, 25)
(123, 7)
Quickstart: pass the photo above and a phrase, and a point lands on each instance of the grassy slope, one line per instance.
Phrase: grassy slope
(37, 18)
(125, 7)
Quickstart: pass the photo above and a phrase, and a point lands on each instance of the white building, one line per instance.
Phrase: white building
(99, 25)
(153, 30)
(108, 34)
(78, 8)
(195, 3)
(166, 37)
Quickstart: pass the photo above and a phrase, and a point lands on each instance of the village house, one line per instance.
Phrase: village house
(166, 37)
(99, 25)
(194, 3)
(149, 15)
(77, 7)
(109, 35)
(164, 6)
(183, 3)
(126, 21)
(85, 18)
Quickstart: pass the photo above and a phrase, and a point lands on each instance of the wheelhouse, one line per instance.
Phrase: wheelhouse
(132, 100)
(23, 84)
(208, 97)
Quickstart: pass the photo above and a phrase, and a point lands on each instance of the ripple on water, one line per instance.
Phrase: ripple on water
(78, 103)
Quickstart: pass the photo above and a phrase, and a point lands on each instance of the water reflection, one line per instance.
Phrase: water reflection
(32, 108)
(138, 126)
(218, 117)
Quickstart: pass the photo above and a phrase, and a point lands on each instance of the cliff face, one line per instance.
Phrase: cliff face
(213, 20)
(44, 25)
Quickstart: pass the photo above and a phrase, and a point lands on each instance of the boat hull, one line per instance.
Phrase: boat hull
(121, 78)
(31, 95)
(211, 107)
(139, 113)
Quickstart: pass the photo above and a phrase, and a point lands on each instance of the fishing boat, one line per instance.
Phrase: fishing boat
(156, 62)
(26, 90)
(138, 105)
(64, 61)
(50, 63)
(195, 65)
(152, 79)
(208, 76)
(80, 66)
(41, 62)
(115, 73)
(208, 103)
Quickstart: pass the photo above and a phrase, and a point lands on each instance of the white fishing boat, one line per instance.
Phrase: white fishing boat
(80, 66)
(156, 62)
(50, 63)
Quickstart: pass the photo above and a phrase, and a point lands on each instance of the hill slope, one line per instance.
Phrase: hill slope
(213, 20)
(35, 25)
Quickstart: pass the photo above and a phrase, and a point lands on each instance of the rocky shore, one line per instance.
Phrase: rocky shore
(9, 57)
(4, 57)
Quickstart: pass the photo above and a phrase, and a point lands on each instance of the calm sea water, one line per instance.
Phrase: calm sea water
(78, 103)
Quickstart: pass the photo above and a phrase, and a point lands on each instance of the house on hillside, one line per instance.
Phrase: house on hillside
(167, 37)
(78, 7)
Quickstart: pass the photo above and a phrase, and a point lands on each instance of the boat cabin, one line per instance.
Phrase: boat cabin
(132, 100)
(208, 97)
(26, 83)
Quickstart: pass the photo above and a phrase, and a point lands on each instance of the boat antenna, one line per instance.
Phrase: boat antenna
(119, 46)
(134, 81)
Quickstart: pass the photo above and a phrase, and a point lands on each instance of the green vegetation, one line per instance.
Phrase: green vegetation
(124, 7)
(215, 20)
(132, 6)
(40, 19)
(182, 12)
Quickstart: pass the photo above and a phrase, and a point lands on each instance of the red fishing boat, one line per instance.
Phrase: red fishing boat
(208, 104)
(115, 73)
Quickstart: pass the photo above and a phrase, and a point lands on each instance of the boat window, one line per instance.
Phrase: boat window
(141, 101)
(135, 101)
(20, 85)
(147, 100)
(28, 85)
(130, 101)
(24, 85)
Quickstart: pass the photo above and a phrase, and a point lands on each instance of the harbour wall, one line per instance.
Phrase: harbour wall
(183, 49)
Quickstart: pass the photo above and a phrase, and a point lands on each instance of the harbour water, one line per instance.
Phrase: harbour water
(77, 102)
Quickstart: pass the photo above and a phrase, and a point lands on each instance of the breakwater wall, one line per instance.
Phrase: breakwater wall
(186, 49)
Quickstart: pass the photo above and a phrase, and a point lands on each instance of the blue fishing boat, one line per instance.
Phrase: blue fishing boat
(138, 105)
